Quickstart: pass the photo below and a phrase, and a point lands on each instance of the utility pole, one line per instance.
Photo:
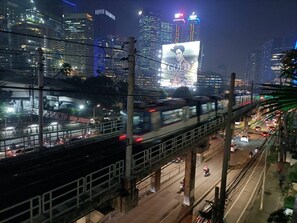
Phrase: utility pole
(264, 179)
(252, 92)
(226, 158)
(130, 106)
(40, 65)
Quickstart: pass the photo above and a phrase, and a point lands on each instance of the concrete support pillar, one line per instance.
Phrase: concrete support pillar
(128, 198)
(190, 172)
(156, 181)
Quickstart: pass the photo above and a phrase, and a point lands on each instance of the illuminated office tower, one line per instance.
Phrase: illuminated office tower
(148, 46)
(79, 36)
(272, 52)
(179, 28)
(104, 23)
(193, 28)
(108, 54)
(252, 67)
(32, 25)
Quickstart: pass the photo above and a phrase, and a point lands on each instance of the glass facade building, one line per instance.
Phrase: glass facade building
(79, 43)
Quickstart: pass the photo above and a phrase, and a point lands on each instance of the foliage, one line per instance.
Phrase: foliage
(5, 97)
(289, 202)
(292, 173)
(278, 216)
(283, 96)
(272, 158)
(289, 65)
(182, 92)
(102, 90)
(66, 69)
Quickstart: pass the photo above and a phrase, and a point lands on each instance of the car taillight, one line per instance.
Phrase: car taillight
(140, 139)
(122, 137)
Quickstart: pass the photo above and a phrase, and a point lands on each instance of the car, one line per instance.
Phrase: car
(14, 150)
(271, 129)
(29, 150)
(234, 147)
(258, 128)
(244, 138)
(265, 134)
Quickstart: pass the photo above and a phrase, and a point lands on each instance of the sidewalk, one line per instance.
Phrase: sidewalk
(273, 198)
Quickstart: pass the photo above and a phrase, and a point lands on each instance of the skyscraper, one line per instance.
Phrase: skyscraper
(271, 53)
(31, 28)
(79, 48)
(108, 56)
(253, 66)
(179, 28)
(104, 23)
(193, 28)
(148, 47)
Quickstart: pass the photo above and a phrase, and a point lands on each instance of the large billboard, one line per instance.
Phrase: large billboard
(180, 64)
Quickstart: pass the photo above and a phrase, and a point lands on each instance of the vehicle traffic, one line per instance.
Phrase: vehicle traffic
(234, 147)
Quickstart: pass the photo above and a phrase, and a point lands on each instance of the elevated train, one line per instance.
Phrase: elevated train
(153, 122)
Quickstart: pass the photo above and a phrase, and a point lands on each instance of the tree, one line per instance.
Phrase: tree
(278, 216)
(283, 97)
(283, 100)
(182, 92)
(65, 70)
(5, 97)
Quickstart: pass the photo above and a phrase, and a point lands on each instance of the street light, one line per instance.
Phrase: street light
(8, 111)
(94, 110)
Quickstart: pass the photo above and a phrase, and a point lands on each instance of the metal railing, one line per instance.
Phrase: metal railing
(102, 130)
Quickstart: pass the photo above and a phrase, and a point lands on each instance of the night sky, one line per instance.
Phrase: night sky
(230, 29)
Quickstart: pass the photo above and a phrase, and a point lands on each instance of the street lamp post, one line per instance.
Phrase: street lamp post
(264, 179)
(9, 110)
(5, 125)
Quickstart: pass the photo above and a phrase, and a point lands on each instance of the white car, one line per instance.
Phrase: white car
(244, 138)
(233, 147)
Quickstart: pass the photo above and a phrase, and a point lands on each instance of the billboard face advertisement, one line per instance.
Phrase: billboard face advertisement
(180, 64)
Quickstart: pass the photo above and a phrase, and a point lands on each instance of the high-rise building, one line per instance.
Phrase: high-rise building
(79, 44)
(271, 54)
(104, 23)
(209, 83)
(193, 28)
(31, 26)
(186, 29)
(166, 32)
(253, 66)
(149, 47)
(179, 28)
(108, 59)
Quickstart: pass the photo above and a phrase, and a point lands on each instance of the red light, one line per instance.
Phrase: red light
(152, 110)
(122, 137)
(139, 139)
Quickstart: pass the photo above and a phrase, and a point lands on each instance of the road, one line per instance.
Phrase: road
(166, 205)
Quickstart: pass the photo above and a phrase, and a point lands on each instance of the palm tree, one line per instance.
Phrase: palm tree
(283, 100)
(283, 97)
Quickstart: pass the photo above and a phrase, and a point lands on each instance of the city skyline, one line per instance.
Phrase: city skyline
(230, 26)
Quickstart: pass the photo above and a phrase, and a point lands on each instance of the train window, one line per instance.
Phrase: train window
(213, 106)
(140, 123)
(204, 108)
(193, 111)
(172, 116)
